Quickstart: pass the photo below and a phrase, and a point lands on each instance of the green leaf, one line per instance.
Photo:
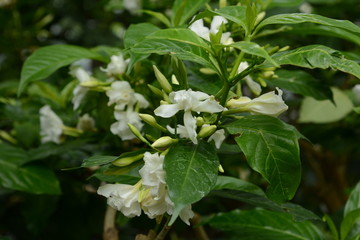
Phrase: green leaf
(236, 14)
(98, 160)
(128, 176)
(297, 212)
(225, 182)
(353, 202)
(44, 61)
(28, 178)
(296, 18)
(180, 42)
(285, 3)
(301, 82)
(183, 10)
(265, 225)
(325, 111)
(14, 155)
(137, 32)
(317, 56)
(191, 172)
(271, 148)
(254, 49)
(326, 218)
(160, 16)
(348, 228)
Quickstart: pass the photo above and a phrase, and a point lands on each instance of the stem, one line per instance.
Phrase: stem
(164, 231)
(199, 230)
(237, 64)
(110, 231)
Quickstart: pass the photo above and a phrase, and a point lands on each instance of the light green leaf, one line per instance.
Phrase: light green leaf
(301, 82)
(191, 172)
(28, 178)
(253, 49)
(353, 202)
(160, 16)
(271, 148)
(296, 18)
(137, 32)
(325, 111)
(285, 3)
(183, 10)
(348, 225)
(317, 56)
(44, 61)
(180, 42)
(236, 14)
(14, 155)
(264, 225)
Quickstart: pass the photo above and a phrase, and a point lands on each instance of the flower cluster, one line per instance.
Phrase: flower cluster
(150, 194)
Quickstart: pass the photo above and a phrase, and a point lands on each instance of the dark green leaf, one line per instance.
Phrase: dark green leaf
(271, 148)
(98, 160)
(296, 18)
(130, 176)
(160, 16)
(13, 155)
(43, 62)
(183, 10)
(191, 172)
(137, 32)
(253, 49)
(301, 82)
(180, 42)
(265, 225)
(297, 212)
(225, 182)
(317, 56)
(348, 228)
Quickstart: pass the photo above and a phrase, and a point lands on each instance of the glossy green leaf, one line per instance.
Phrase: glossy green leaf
(296, 18)
(98, 160)
(285, 3)
(137, 32)
(160, 16)
(301, 82)
(28, 178)
(44, 61)
(325, 111)
(353, 202)
(247, 195)
(14, 155)
(265, 225)
(348, 225)
(253, 49)
(317, 56)
(226, 182)
(183, 10)
(180, 42)
(271, 148)
(191, 172)
(236, 14)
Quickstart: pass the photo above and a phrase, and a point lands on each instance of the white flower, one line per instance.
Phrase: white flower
(180, 129)
(132, 5)
(188, 101)
(116, 66)
(51, 126)
(218, 137)
(86, 123)
(152, 172)
(268, 104)
(254, 86)
(356, 92)
(121, 127)
(79, 92)
(123, 95)
(204, 32)
(154, 206)
(186, 214)
(122, 197)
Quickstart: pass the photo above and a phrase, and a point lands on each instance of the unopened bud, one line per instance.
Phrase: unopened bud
(164, 142)
(149, 119)
(155, 90)
(200, 121)
(174, 80)
(284, 49)
(137, 133)
(7, 137)
(166, 97)
(268, 74)
(259, 18)
(93, 83)
(125, 161)
(222, 3)
(207, 71)
(206, 131)
(162, 80)
(221, 169)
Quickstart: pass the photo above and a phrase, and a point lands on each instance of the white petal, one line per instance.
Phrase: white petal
(209, 106)
(216, 23)
(254, 86)
(218, 137)
(199, 28)
(190, 126)
(186, 214)
(167, 110)
(142, 102)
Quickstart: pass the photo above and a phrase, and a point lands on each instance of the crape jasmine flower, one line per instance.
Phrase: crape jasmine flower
(121, 128)
(51, 126)
(79, 92)
(116, 66)
(270, 104)
(254, 86)
(189, 100)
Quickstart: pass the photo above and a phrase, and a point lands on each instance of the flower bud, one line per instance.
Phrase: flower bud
(162, 80)
(206, 131)
(284, 49)
(259, 18)
(155, 90)
(137, 133)
(174, 80)
(149, 119)
(164, 142)
(200, 121)
(221, 169)
(207, 71)
(7, 137)
(93, 83)
(125, 161)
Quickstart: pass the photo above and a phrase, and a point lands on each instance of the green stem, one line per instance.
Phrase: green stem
(237, 64)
